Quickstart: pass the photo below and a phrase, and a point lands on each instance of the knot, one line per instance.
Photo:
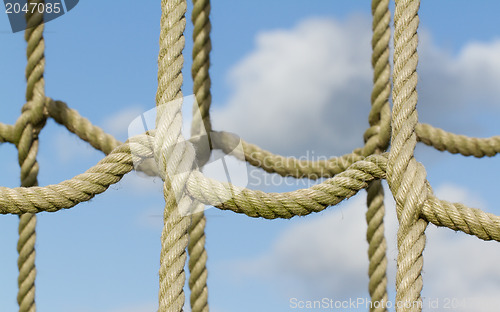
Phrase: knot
(174, 156)
(201, 144)
(412, 193)
(36, 113)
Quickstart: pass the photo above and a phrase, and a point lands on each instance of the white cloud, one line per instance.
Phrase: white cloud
(309, 87)
(326, 255)
(455, 87)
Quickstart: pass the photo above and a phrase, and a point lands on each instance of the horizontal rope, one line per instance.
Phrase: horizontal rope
(272, 163)
(458, 217)
(6, 133)
(253, 203)
(79, 189)
(120, 161)
(301, 202)
(457, 144)
(285, 166)
(256, 156)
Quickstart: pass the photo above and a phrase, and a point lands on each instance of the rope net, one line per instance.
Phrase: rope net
(186, 188)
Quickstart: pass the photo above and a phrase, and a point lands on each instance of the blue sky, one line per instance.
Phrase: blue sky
(313, 99)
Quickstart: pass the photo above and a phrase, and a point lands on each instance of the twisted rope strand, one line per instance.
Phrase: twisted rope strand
(377, 246)
(201, 64)
(6, 133)
(286, 205)
(120, 161)
(285, 166)
(200, 125)
(457, 144)
(198, 263)
(90, 133)
(27, 151)
(174, 163)
(81, 126)
(272, 163)
(406, 177)
(79, 189)
(377, 139)
(458, 217)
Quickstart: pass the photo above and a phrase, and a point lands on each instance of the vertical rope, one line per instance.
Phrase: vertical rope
(197, 264)
(201, 87)
(201, 63)
(377, 138)
(377, 246)
(174, 238)
(406, 177)
(27, 152)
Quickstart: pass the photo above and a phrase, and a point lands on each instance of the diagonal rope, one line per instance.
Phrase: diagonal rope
(81, 126)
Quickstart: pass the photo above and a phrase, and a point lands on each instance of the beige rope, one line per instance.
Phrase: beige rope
(201, 63)
(197, 263)
(174, 164)
(285, 166)
(457, 144)
(377, 246)
(28, 150)
(377, 137)
(6, 133)
(272, 163)
(406, 177)
(120, 161)
(458, 217)
(81, 126)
